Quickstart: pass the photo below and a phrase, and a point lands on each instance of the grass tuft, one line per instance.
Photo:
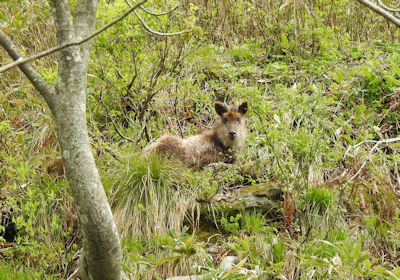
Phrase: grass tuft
(150, 196)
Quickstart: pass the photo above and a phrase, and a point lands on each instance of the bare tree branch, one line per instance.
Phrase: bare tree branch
(387, 7)
(46, 90)
(381, 11)
(20, 60)
(151, 30)
(112, 121)
(156, 32)
(157, 14)
(377, 144)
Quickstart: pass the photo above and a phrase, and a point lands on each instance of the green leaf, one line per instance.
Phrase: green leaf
(245, 245)
(347, 139)
(2, 16)
(393, 80)
(126, 268)
(396, 69)
(284, 41)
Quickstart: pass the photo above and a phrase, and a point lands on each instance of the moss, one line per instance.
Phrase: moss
(265, 198)
(268, 189)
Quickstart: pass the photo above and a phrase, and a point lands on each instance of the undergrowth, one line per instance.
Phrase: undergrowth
(323, 89)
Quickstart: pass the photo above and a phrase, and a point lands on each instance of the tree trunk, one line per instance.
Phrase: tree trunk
(102, 255)
(101, 247)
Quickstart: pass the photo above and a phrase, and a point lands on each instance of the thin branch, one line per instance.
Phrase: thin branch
(154, 31)
(378, 143)
(157, 14)
(388, 8)
(143, 131)
(359, 144)
(381, 11)
(112, 121)
(110, 151)
(157, 32)
(73, 274)
(46, 90)
(20, 60)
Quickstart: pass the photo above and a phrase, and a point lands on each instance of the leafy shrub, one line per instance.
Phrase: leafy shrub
(47, 228)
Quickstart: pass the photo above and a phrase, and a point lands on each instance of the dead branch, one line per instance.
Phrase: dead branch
(377, 144)
(388, 8)
(156, 14)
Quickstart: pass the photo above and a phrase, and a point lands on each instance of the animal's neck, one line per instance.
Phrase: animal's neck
(217, 142)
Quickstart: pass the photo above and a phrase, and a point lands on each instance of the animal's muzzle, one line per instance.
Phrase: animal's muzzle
(232, 134)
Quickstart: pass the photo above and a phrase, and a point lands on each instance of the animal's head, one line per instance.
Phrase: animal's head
(231, 127)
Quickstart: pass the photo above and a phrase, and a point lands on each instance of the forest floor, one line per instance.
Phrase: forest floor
(324, 122)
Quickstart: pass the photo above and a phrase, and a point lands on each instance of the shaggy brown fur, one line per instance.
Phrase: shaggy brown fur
(220, 143)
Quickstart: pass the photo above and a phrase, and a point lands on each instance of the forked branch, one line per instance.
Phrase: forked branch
(377, 144)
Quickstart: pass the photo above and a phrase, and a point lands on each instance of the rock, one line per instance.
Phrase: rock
(264, 198)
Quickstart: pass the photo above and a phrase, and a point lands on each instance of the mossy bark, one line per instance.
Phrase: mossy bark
(101, 256)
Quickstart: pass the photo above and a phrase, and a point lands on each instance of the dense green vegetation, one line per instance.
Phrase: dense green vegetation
(322, 80)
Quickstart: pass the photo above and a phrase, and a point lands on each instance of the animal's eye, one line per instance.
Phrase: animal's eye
(238, 120)
(225, 121)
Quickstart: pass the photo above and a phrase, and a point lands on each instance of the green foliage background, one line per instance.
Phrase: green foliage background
(320, 76)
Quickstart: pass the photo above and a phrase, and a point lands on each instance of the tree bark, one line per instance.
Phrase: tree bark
(101, 255)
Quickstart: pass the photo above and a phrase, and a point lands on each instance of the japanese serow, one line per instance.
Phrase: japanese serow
(222, 142)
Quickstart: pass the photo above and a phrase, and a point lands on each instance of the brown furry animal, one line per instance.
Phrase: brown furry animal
(220, 143)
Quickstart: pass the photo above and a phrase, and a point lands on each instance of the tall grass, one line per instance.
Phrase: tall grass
(270, 22)
(151, 196)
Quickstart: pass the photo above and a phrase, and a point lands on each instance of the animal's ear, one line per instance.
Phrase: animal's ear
(243, 108)
(220, 108)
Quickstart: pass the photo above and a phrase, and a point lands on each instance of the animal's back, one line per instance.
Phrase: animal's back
(168, 145)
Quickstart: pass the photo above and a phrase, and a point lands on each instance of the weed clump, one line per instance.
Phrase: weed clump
(150, 196)
(318, 200)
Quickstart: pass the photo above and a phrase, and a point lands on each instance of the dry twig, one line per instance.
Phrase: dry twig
(377, 144)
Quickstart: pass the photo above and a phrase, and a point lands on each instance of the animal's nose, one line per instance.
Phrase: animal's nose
(232, 134)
